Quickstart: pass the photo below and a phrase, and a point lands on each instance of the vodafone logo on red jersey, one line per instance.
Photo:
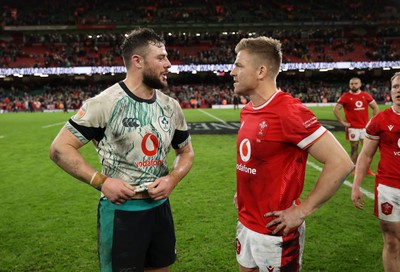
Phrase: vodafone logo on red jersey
(245, 154)
(245, 150)
(359, 104)
(397, 153)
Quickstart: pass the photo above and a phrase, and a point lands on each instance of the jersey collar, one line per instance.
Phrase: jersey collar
(136, 98)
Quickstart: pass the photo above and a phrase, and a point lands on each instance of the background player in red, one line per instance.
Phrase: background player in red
(276, 135)
(355, 103)
(383, 132)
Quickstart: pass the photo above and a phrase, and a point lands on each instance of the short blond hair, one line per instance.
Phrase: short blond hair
(266, 49)
(394, 76)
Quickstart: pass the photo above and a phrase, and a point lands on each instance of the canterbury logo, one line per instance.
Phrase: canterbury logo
(390, 127)
(130, 122)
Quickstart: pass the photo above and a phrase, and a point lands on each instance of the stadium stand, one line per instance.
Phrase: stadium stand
(62, 33)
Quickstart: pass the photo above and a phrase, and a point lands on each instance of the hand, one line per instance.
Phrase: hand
(162, 187)
(117, 190)
(285, 219)
(235, 201)
(357, 198)
(346, 124)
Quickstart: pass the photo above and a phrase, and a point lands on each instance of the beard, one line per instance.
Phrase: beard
(354, 89)
(153, 81)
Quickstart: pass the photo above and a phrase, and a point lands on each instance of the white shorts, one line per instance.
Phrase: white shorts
(270, 253)
(355, 134)
(387, 206)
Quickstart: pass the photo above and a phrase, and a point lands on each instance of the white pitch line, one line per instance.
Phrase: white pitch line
(346, 182)
(53, 125)
(213, 116)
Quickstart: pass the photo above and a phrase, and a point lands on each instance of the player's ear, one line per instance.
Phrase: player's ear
(137, 61)
(262, 71)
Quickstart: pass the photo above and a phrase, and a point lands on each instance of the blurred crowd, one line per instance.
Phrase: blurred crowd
(310, 31)
(84, 12)
(71, 97)
(83, 49)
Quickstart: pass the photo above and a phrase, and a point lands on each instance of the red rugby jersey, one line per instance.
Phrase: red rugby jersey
(385, 127)
(356, 108)
(272, 156)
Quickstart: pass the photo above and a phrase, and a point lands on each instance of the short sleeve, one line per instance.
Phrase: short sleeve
(300, 126)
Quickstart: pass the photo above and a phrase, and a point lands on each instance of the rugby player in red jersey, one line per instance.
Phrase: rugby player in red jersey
(276, 134)
(355, 104)
(383, 132)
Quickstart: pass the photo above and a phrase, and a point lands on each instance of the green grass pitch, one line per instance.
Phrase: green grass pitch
(48, 219)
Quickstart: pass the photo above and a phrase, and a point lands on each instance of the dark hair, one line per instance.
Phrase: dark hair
(137, 42)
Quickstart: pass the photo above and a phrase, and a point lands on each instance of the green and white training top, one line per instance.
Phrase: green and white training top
(132, 136)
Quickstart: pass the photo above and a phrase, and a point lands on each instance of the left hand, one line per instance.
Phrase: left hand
(162, 187)
(285, 219)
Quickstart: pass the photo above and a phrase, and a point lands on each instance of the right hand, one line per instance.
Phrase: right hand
(357, 198)
(117, 190)
(235, 201)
